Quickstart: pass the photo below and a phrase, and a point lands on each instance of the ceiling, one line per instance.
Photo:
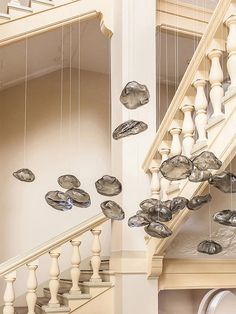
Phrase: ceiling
(84, 46)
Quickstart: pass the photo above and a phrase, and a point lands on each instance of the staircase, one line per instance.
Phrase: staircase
(200, 117)
(85, 291)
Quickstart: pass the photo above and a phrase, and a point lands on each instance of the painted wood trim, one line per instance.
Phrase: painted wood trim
(216, 20)
(57, 16)
(25, 258)
(198, 274)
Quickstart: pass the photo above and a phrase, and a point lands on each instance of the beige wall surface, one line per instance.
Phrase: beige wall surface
(72, 136)
(164, 99)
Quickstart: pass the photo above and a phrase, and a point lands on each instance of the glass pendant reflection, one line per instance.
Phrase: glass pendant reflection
(137, 221)
(226, 217)
(158, 230)
(112, 210)
(198, 201)
(207, 160)
(58, 200)
(68, 181)
(224, 181)
(209, 247)
(148, 203)
(159, 213)
(176, 168)
(199, 175)
(79, 197)
(108, 186)
(130, 127)
(25, 175)
(178, 203)
(134, 95)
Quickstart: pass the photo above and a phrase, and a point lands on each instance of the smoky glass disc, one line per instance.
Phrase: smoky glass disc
(24, 174)
(79, 197)
(199, 175)
(209, 247)
(148, 203)
(178, 203)
(207, 160)
(176, 168)
(224, 181)
(130, 127)
(58, 200)
(68, 181)
(108, 186)
(198, 201)
(112, 210)
(159, 213)
(226, 217)
(134, 95)
(137, 221)
(158, 230)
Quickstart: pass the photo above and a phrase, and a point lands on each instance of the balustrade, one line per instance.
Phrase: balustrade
(9, 294)
(187, 129)
(75, 269)
(32, 284)
(164, 152)
(54, 277)
(96, 259)
(176, 147)
(155, 180)
(231, 49)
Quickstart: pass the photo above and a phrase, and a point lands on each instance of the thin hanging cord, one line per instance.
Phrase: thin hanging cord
(109, 110)
(210, 215)
(79, 111)
(70, 92)
(62, 80)
(159, 77)
(25, 104)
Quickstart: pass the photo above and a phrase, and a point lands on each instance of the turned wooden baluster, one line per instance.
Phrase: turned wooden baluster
(201, 110)
(96, 259)
(216, 78)
(9, 294)
(32, 284)
(175, 148)
(54, 278)
(164, 152)
(188, 130)
(155, 181)
(231, 49)
(75, 269)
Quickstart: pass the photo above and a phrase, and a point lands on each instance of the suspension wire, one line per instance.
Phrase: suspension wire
(70, 94)
(25, 101)
(62, 83)
(78, 89)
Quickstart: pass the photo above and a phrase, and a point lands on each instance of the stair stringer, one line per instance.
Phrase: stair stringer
(223, 145)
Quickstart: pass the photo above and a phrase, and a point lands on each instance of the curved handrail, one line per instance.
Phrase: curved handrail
(31, 255)
(187, 79)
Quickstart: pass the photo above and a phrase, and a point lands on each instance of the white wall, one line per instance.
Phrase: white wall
(83, 148)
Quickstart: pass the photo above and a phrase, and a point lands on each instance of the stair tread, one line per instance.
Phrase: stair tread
(47, 2)
(19, 7)
(61, 290)
(66, 290)
(20, 310)
(42, 301)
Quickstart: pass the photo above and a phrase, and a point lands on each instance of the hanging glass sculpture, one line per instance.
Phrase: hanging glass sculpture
(159, 213)
(137, 221)
(148, 203)
(112, 210)
(58, 200)
(108, 186)
(176, 168)
(134, 95)
(130, 127)
(25, 175)
(224, 181)
(178, 203)
(206, 160)
(79, 197)
(158, 230)
(209, 247)
(199, 175)
(198, 201)
(68, 181)
(226, 217)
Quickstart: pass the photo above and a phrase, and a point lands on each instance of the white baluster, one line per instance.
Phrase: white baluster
(75, 269)
(188, 130)
(231, 49)
(96, 259)
(200, 108)
(54, 278)
(164, 152)
(175, 148)
(155, 181)
(9, 294)
(216, 78)
(32, 284)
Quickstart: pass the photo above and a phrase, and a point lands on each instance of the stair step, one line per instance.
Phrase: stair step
(16, 11)
(42, 301)
(21, 310)
(4, 18)
(41, 5)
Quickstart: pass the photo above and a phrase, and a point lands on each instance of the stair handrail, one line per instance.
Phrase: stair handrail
(200, 52)
(13, 263)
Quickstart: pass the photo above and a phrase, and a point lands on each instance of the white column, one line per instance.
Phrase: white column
(75, 268)
(54, 278)
(231, 49)
(164, 152)
(200, 105)
(9, 294)
(216, 78)
(96, 259)
(32, 284)
(188, 130)
(155, 179)
(176, 147)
